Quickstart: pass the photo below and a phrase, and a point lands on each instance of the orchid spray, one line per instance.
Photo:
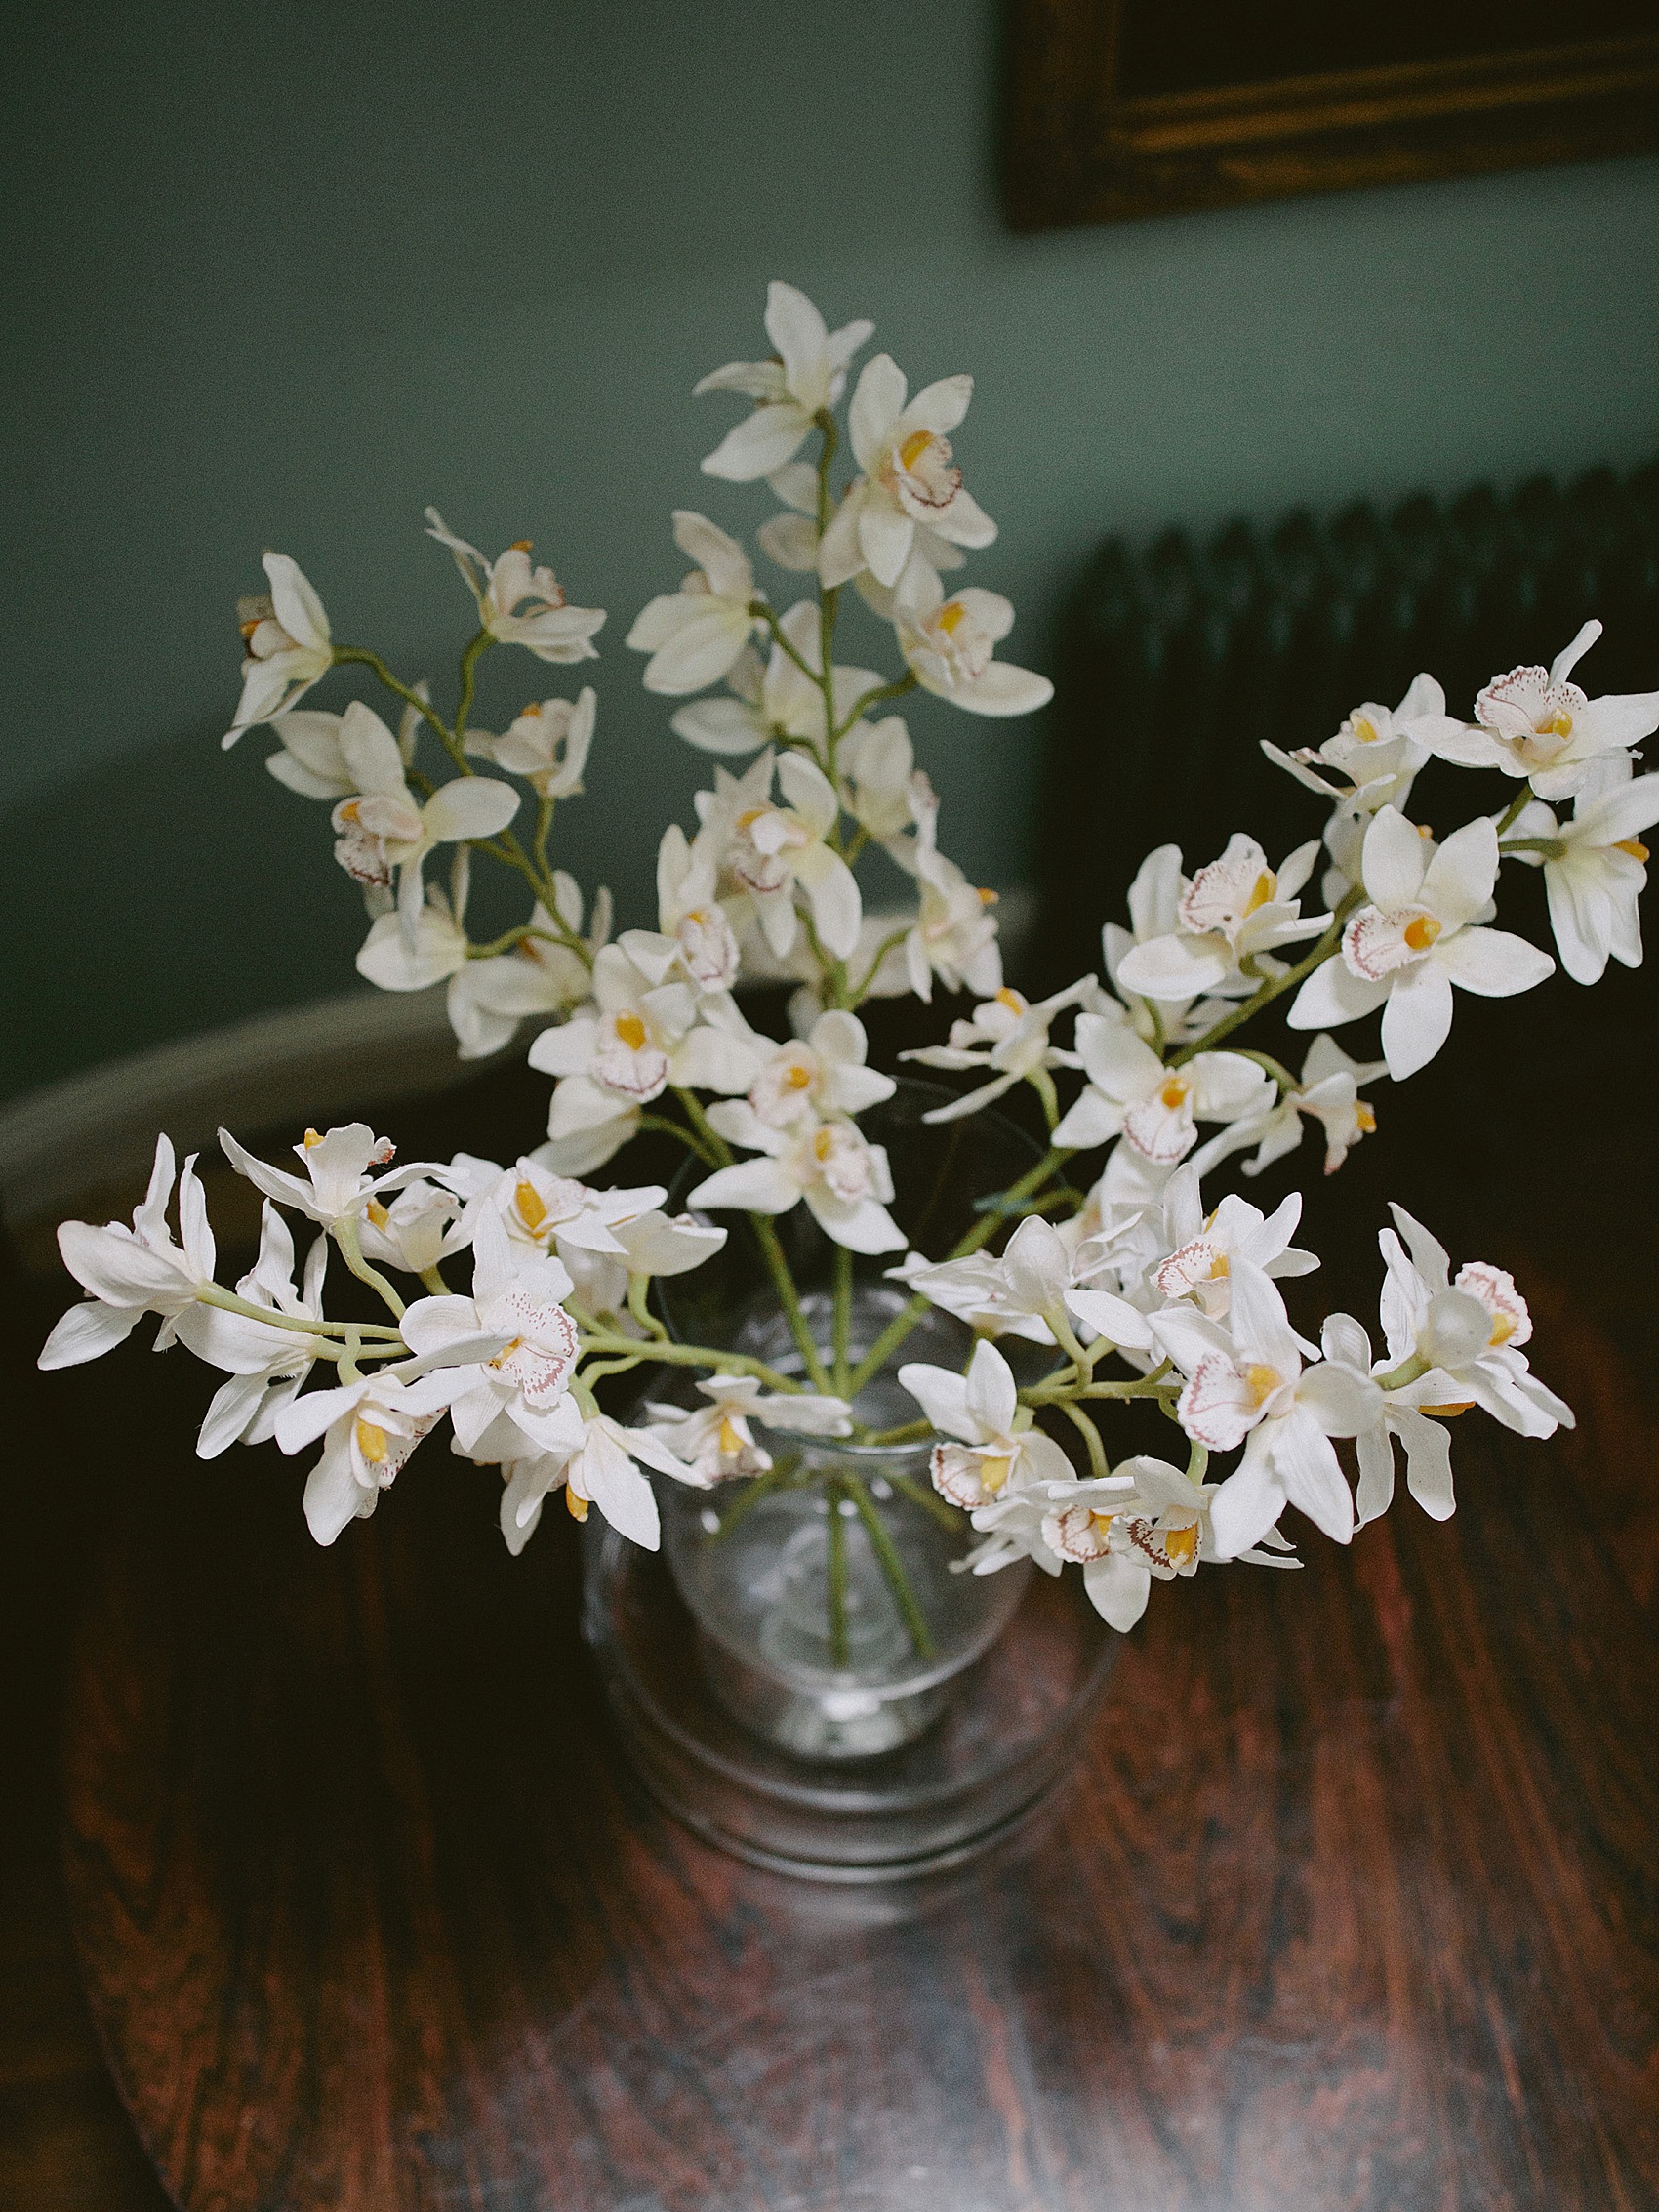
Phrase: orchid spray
(1135, 1287)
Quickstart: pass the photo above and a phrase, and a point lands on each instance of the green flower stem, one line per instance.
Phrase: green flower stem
(892, 1566)
(843, 1316)
(1409, 1370)
(346, 1236)
(789, 1298)
(1552, 848)
(775, 630)
(667, 1128)
(908, 1432)
(605, 1342)
(477, 646)
(1280, 1073)
(761, 1487)
(638, 1294)
(873, 698)
(859, 990)
(1090, 1435)
(908, 1315)
(347, 656)
(433, 1277)
(943, 1512)
(1516, 808)
(714, 1143)
(210, 1294)
(1276, 984)
(835, 1574)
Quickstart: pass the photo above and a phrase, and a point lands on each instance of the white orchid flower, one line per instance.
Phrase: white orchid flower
(694, 938)
(547, 744)
(336, 1185)
(1007, 1034)
(1399, 1414)
(1235, 911)
(768, 849)
(1039, 1279)
(641, 1038)
(819, 1076)
(1534, 723)
(1147, 1522)
(541, 974)
(775, 700)
(308, 758)
(1246, 1384)
(1377, 753)
(949, 646)
(1131, 1092)
(910, 496)
(790, 538)
(1328, 1094)
(549, 627)
(716, 1442)
(953, 937)
(404, 954)
(878, 768)
(423, 1225)
(1205, 1251)
(652, 1244)
(806, 377)
(266, 1365)
(369, 1429)
(598, 1469)
(129, 1272)
(845, 1179)
(1465, 1335)
(289, 645)
(1594, 881)
(694, 635)
(511, 1345)
(995, 1445)
(1419, 935)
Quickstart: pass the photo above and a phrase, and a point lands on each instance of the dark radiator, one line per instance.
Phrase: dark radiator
(1180, 656)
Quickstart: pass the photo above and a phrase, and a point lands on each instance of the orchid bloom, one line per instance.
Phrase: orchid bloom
(289, 645)
(994, 1446)
(1418, 936)
(597, 1469)
(769, 849)
(954, 937)
(1598, 873)
(548, 627)
(1428, 1446)
(716, 1440)
(547, 744)
(694, 635)
(819, 1076)
(1246, 1384)
(337, 1186)
(1148, 1522)
(542, 1213)
(401, 953)
(806, 377)
(1205, 1251)
(776, 700)
(1534, 723)
(1235, 911)
(877, 769)
(266, 1364)
(1328, 1093)
(1006, 1035)
(423, 1226)
(1463, 1337)
(1034, 1285)
(694, 938)
(383, 827)
(641, 1038)
(128, 1272)
(949, 646)
(369, 1429)
(1131, 1092)
(541, 974)
(845, 1179)
(909, 496)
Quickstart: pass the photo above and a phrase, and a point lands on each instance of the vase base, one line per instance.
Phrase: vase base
(1010, 1726)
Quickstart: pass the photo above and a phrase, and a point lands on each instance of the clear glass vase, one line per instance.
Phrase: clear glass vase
(807, 1673)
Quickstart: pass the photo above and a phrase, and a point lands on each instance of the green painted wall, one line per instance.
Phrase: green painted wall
(279, 276)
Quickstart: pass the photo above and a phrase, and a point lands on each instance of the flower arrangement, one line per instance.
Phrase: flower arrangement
(1119, 1277)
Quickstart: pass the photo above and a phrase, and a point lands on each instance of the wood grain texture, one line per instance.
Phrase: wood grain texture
(1350, 1904)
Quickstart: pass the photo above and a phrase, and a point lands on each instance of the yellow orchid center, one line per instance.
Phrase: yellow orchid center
(1421, 931)
(522, 545)
(1503, 1328)
(1365, 730)
(747, 819)
(1175, 1090)
(731, 1443)
(506, 1353)
(1364, 1120)
(915, 446)
(1262, 1381)
(312, 1139)
(824, 1143)
(1447, 1413)
(1012, 1000)
(376, 1214)
(576, 1507)
(371, 1443)
(632, 1030)
(1267, 884)
(1221, 1267)
(531, 1211)
(1635, 848)
(1558, 725)
(952, 615)
(1179, 1544)
(992, 1474)
(798, 1078)
(1099, 1523)
(986, 898)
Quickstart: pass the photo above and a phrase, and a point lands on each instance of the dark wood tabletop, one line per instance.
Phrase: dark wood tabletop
(1349, 1903)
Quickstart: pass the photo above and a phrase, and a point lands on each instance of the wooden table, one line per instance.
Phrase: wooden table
(1350, 1904)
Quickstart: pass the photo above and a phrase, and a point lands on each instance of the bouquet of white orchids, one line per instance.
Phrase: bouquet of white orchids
(1124, 1281)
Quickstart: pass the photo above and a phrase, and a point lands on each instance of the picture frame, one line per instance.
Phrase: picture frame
(1114, 108)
